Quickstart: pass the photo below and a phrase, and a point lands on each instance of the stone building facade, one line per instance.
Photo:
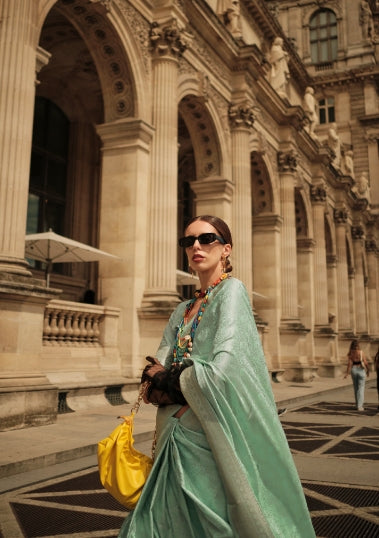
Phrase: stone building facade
(122, 119)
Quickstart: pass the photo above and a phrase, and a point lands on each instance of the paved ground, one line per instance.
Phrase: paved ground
(49, 482)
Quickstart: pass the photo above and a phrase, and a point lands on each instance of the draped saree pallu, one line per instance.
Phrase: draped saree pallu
(223, 469)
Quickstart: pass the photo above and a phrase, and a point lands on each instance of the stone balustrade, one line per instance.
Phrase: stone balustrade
(73, 324)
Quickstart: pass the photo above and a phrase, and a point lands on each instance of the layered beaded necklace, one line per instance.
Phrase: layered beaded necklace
(183, 344)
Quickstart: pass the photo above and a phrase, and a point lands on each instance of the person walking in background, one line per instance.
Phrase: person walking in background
(222, 465)
(377, 373)
(357, 366)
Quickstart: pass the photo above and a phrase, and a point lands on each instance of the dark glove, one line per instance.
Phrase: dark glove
(164, 386)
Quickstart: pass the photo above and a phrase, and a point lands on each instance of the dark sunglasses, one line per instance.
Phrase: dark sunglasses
(204, 239)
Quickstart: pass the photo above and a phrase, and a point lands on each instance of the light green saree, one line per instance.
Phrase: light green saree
(224, 469)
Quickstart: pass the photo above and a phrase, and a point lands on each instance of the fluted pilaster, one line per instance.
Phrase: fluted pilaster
(168, 43)
(359, 285)
(372, 285)
(17, 90)
(344, 322)
(287, 164)
(318, 198)
(241, 121)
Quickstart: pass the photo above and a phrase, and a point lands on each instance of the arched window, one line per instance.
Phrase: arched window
(323, 36)
(48, 169)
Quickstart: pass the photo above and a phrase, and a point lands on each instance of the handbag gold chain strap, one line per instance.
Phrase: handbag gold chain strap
(135, 409)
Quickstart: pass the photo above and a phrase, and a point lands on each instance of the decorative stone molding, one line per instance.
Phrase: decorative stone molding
(108, 54)
(287, 161)
(318, 193)
(340, 215)
(140, 27)
(357, 233)
(106, 3)
(241, 115)
(169, 40)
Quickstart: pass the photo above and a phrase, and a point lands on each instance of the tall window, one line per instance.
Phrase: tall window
(323, 36)
(48, 170)
(326, 110)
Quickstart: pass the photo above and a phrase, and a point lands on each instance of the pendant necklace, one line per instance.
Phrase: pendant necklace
(183, 344)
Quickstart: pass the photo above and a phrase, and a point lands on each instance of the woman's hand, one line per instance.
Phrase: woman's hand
(153, 368)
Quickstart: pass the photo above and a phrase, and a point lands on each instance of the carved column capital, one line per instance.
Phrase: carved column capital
(169, 39)
(370, 245)
(287, 161)
(357, 233)
(318, 194)
(340, 215)
(241, 115)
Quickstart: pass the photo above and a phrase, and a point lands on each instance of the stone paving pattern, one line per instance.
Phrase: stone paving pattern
(336, 451)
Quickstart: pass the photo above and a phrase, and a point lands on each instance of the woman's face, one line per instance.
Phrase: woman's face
(205, 258)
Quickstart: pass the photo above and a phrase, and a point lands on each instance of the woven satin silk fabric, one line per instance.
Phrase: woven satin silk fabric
(123, 469)
(224, 469)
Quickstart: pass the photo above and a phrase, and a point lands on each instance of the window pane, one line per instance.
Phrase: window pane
(56, 182)
(57, 131)
(322, 18)
(37, 171)
(53, 216)
(33, 210)
(322, 115)
(324, 51)
(323, 33)
(331, 115)
(314, 52)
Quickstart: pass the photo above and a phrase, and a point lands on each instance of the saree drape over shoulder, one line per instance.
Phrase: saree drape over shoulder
(224, 468)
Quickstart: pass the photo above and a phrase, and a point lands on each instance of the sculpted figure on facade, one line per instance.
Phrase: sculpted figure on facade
(230, 11)
(348, 163)
(334, 143)
(362, 187)
(366, 20)
(309, 105)
(279, 74)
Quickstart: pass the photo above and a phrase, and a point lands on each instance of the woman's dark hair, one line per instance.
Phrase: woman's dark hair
(222, 229)
(354, 345)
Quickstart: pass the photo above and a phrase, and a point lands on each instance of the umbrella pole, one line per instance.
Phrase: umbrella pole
(47, 273)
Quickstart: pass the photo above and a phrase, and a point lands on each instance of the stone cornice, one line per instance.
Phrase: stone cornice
(352, 76)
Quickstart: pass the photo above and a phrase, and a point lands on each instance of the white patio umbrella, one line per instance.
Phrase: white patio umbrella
(49, 247)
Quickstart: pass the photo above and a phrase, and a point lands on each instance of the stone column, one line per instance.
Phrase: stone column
(160, 295)
(213, 197)
(123, 217)
(18, 27)
(287, 164)
(372, 285)
(343, 310)
(241, 121)
(318, 199)
(357, 234)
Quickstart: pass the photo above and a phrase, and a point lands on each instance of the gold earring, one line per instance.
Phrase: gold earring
(223, 262)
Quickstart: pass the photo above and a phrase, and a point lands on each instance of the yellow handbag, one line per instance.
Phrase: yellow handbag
(123, 470)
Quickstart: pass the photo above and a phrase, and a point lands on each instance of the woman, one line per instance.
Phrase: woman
(358, 367)
(222, 467)
(377, 373)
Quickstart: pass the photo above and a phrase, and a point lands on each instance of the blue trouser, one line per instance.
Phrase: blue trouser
(358, 375)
